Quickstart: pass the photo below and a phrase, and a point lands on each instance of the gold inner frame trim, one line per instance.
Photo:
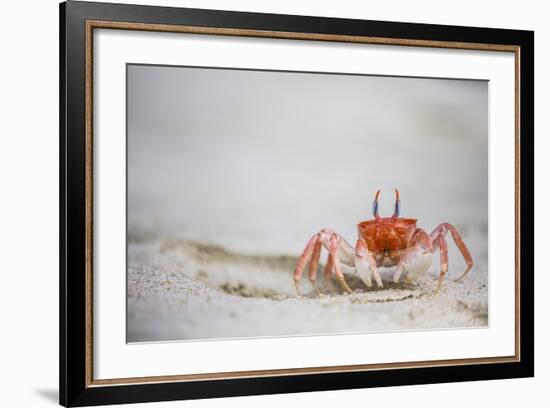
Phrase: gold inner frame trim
(93, 24)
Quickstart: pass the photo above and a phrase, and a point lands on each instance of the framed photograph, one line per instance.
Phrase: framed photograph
(256, 203)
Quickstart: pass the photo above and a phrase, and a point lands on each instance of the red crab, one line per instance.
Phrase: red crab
(382, 242)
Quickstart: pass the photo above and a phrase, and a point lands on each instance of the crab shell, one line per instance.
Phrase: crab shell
(387, 234)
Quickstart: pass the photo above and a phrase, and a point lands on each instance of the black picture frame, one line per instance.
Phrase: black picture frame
(75, 386)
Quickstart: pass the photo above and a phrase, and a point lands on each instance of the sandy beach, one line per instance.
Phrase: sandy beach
(181, 290)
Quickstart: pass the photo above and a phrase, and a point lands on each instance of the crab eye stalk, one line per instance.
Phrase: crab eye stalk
(375, 205)
(397, 208)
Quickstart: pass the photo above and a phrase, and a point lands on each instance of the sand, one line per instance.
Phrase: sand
(186, 290)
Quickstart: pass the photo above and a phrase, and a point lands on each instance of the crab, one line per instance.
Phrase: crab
(382, 242)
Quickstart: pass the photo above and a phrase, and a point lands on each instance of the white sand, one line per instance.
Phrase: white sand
(184, 290)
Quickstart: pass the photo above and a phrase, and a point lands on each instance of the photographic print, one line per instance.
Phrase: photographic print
(276, 203)
(354, 196)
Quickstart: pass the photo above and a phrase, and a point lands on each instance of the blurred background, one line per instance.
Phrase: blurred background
(259, 161)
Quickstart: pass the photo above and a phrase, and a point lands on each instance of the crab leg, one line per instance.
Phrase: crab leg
(328, 268)
(397, 273)
(334, 249)
(306, 255)
(442, 230)
(421, 238)
(339, 250)
(314, 264)
(443, 259)
(366, 264)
